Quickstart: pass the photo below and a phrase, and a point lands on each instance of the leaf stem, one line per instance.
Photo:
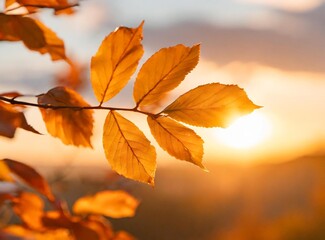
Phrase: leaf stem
(13, 101)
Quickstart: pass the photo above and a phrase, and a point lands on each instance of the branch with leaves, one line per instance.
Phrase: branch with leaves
(86, 221)
(69, 117)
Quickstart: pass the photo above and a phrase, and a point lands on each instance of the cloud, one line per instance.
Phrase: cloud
(289, 5)
(280, 48)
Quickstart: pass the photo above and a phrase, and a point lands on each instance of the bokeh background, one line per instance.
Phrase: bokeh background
(270, 189)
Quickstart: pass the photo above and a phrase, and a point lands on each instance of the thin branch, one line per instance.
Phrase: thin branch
(56, 8)
(13, 101)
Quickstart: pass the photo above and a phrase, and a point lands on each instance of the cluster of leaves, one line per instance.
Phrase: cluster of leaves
(87, 221)
(69, 117)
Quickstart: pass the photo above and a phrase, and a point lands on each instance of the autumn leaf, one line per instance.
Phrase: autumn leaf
(68, 122)
(35, 35)
(211, 105)
(11, 119)
(114, 204)
(29, 208)
(17, 232)
(96, 224)
(115, 61)
(164, 71)
(30, 176)
(32, 6)
(128, 150)
(178, 140)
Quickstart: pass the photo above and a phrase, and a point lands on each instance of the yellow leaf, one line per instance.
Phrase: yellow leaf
(115, 61)
(211, 105)
(5, 172)
(29, 207)
(178, 140)
(114, 204)
(128, 150)
(11, 119)
(30, 176)
(72, 125)
(164, 71)
(35, 35)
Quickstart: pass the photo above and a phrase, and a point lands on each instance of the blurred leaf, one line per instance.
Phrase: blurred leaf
(5, 172)
(94, 227)
(11, 119)
(211, 105)
(163, 72)
(114, 204)
(128, 150)
(35, 35)
(74, 77)
(32, 6)
(30, 177)
(16, 232)
(29, 208)
(178, 140)
(72, 126)
(58, 219)
(115, 61)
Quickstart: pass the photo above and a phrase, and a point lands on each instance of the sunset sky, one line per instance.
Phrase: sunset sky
(273, 49)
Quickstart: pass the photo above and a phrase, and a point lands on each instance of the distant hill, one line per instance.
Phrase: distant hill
(280, 201)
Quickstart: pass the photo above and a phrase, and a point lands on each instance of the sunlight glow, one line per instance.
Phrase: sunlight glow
(246, 132)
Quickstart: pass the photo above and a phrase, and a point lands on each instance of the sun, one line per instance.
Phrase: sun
(246, 132)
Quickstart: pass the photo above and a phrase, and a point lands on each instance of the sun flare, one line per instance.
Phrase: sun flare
(246, 132)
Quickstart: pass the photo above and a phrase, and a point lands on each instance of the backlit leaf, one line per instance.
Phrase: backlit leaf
(30, 177)
(178, 140)
(211, 105)
(10, 119)
(29, 207)
(115, 61)
(72, 126)
(114, 204)
(35, 35)
(163, 72)
(128, 150)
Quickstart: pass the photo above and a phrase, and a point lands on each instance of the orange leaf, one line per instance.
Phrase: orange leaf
(178, 140)
(73, 126)
(11, 119)
(115, 61)
(16, 232)
(164, 71)
(93, 227)
(211, 105)
(30, 176)
(114, 204)
(29, 207)
(35, 35)
(128, 150)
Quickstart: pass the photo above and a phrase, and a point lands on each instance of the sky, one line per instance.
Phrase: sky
(271, 48)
